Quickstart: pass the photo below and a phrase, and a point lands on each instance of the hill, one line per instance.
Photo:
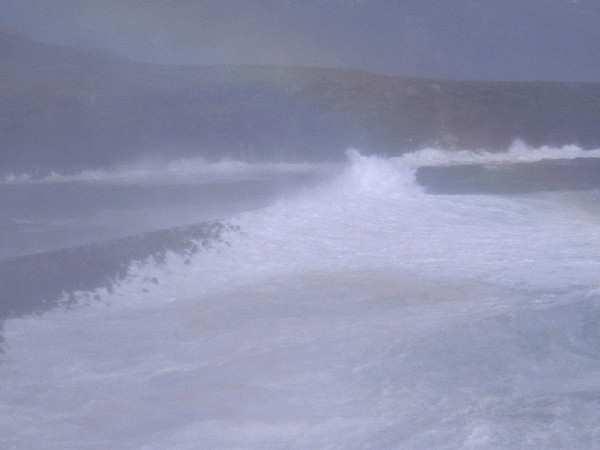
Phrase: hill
(63, 108)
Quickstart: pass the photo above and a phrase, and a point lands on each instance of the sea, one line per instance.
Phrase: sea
(439, 299)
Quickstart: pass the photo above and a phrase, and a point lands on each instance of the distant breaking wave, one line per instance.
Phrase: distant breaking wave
(199, 171)
(183, 171)
(519, 152)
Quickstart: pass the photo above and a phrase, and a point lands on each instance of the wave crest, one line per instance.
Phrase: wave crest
(183, 171)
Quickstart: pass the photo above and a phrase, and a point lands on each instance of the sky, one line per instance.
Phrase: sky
(460, 39)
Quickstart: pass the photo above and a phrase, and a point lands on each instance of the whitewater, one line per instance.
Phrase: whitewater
(358, 311)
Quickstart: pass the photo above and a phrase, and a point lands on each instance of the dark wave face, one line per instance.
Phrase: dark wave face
(36, 283)
(68, 237)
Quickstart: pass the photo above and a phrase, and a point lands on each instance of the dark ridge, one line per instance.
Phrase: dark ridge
(64, 109)
(517, 178)
(34, 283)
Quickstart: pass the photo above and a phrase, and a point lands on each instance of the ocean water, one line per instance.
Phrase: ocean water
(60, 210)
(354, 309)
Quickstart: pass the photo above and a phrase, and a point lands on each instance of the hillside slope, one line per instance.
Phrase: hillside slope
(65, 108)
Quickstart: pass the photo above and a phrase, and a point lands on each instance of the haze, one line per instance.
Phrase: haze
(463, 39)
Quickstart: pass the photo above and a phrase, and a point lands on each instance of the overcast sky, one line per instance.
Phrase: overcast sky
(474, 39)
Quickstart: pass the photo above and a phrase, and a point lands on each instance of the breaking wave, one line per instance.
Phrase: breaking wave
(365, 186)
(184, 171)
(39, 282)
(363, 312)
(199, 170)
(519, 152)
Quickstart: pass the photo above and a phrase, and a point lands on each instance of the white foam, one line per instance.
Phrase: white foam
(517, 153)
(362, 313)
(199, 170)
(183, 171)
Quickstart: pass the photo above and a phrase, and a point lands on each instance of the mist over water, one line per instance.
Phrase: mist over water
(343, 306)
(316, 224)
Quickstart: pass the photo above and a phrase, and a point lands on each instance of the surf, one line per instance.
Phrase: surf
(361, 310)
